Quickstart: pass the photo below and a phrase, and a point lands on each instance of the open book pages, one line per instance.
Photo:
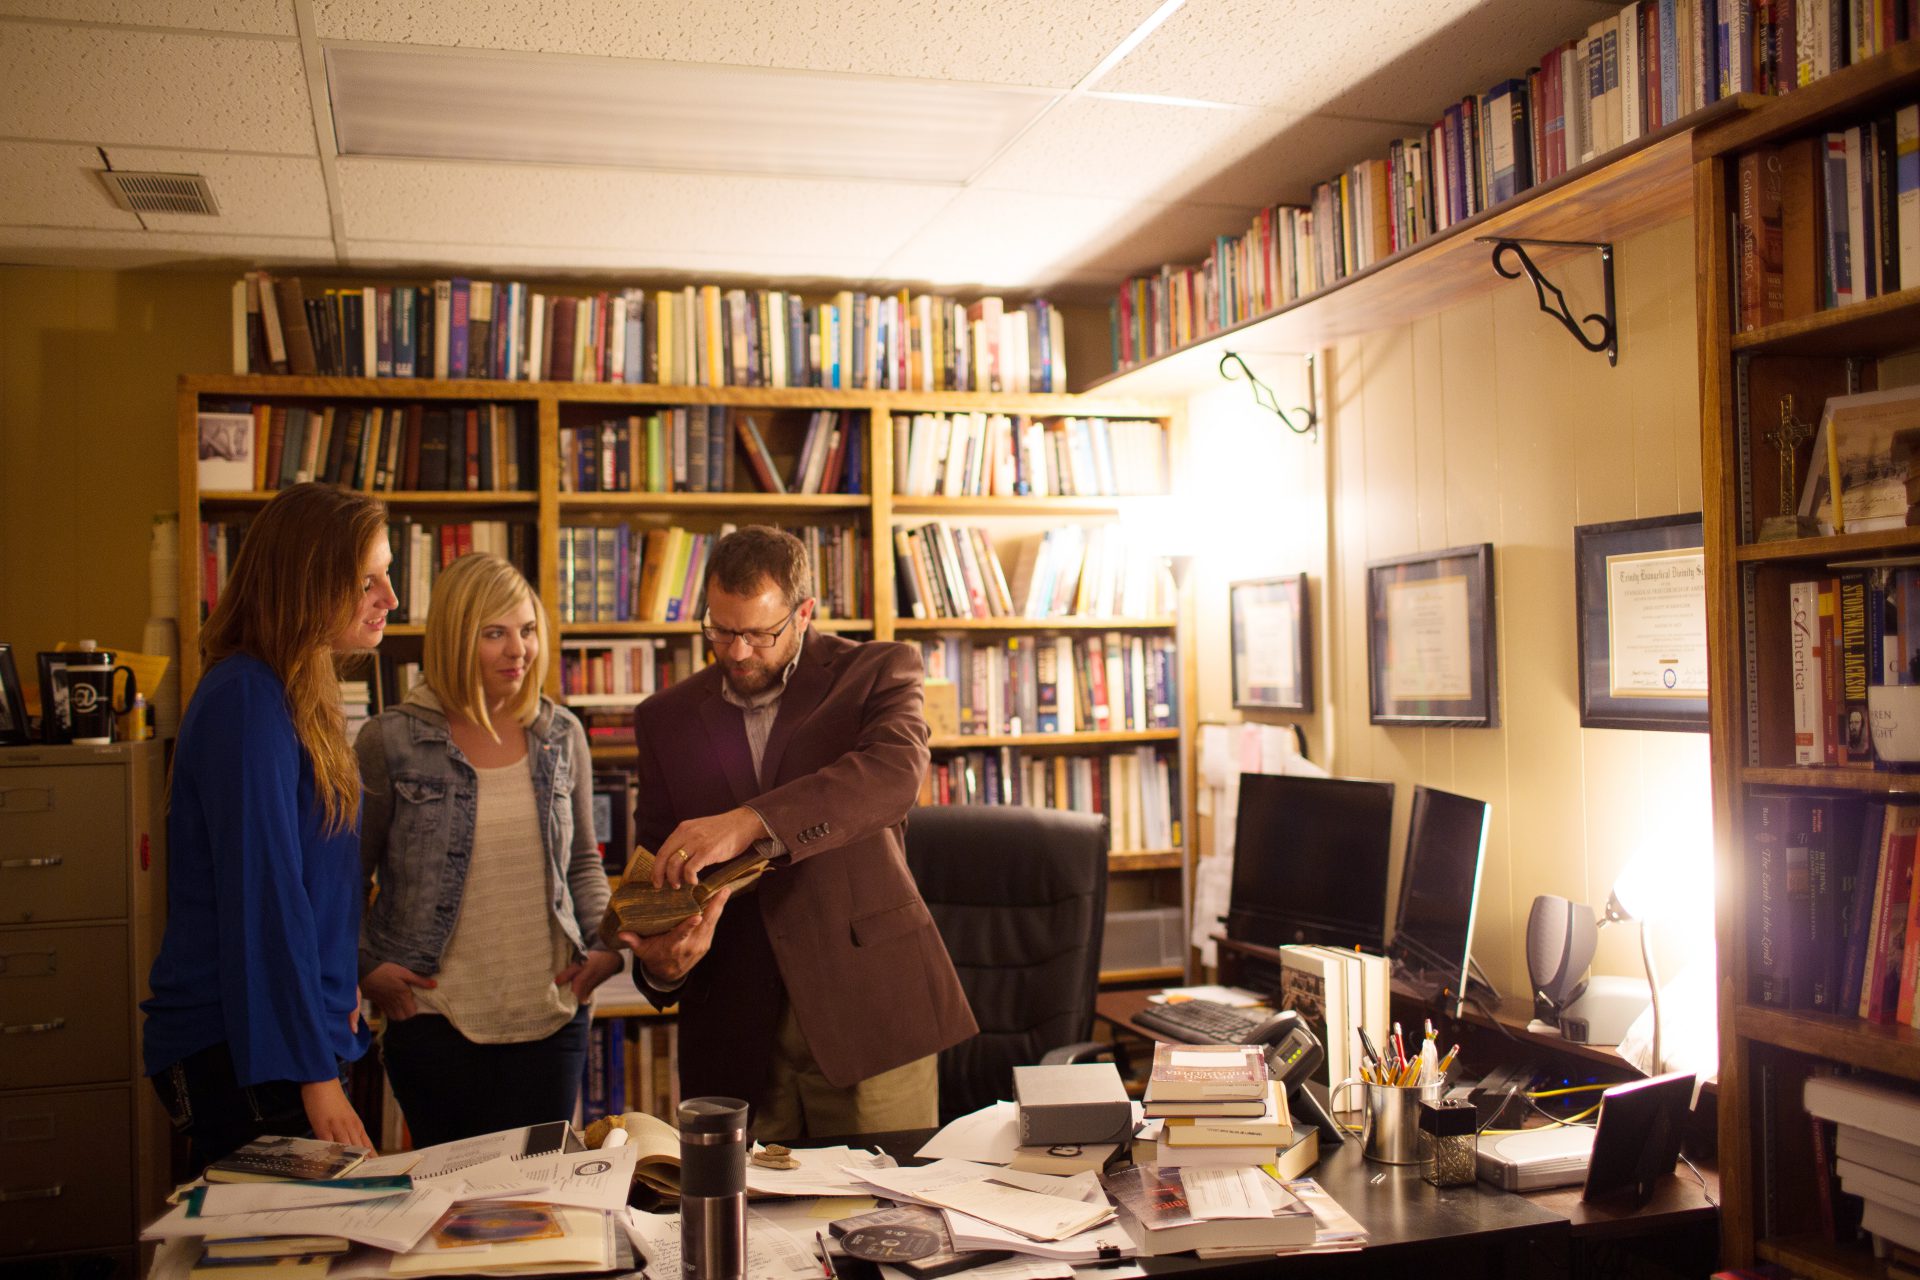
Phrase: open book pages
(638, 907)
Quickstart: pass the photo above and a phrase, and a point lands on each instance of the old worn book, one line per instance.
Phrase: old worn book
(271, 1159)
(639, 908)
(1208, 1072)
(1275, 1127)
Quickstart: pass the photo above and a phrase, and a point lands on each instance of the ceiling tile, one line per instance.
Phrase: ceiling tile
(97, 84)
(544, 109)
(54, 185)
(131, 249)
(257, 195)
(257, 17)
(1052, 44)
(1126, 150)
(1002, 239)
(1388, 59)
(561, 207)
(540, 264)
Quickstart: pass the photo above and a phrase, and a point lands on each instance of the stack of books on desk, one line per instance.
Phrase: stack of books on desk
(1877, 1153)
(1214, 1106)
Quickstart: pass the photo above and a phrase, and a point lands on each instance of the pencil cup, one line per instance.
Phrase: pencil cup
(1392, 1133)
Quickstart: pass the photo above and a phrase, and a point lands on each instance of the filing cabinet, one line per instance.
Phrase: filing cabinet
(83, 1141)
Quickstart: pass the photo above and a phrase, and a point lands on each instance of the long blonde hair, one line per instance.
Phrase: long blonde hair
(468, 594)
(294, 587)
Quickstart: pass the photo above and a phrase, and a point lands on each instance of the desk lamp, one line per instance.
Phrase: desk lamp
(1634, 894)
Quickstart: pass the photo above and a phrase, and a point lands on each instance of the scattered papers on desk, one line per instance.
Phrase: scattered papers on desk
(823, 1171)
(391, 1222)
(1102, 1243)
(1008, 1269)
(991, 1135)
(583, 1179)
(773, 1253)
(217, 1198)
(1335, 1228)
(1232, 997)
(1231, 1193)
(997, 1196)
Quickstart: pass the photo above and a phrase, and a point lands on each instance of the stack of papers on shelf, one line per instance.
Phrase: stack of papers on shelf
(1877, 1150)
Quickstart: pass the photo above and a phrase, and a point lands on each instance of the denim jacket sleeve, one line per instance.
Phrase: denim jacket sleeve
(376, 818)
(586, 873)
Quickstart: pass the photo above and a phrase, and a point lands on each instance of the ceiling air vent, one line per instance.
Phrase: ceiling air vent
(160, 192)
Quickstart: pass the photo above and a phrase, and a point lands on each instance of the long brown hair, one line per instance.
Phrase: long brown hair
(294, 586)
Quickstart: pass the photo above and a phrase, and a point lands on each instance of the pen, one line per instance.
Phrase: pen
(1448, 1060)
(1366, 1043)
(826, 1263)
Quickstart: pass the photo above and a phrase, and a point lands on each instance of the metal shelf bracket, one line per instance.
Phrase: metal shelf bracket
(1609, 331)
(1264, 397)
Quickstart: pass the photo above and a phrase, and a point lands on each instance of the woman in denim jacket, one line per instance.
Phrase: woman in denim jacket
(470, 831)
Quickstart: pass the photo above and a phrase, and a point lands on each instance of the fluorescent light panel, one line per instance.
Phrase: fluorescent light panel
(532, 108)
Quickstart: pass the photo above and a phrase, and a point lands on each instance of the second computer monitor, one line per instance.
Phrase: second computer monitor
(1439, 885)
(1310, 861)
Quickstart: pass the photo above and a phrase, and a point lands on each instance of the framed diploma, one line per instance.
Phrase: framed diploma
(1640, 588)
(1272, 655)
(1430, 639)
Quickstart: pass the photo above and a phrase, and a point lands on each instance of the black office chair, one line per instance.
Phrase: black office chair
(1020, 896)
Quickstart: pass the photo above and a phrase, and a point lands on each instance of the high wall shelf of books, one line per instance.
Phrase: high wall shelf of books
(1779, 1020)
(563, 513)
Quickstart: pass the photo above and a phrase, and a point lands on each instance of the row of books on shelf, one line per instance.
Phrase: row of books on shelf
(1051, 684)
(620, 573)
(631, 1066)
(1137, 791)
(421, 549)
(1866, 1148)
(1011, 455)
(1829, 220)
(259, 446)
(1628, 75)
(1850, 632)
(1073, 570)
(694, 336)
(620, 671)
(692, 450)
(1833, 923)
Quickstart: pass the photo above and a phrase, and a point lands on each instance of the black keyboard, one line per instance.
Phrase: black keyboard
(1201, 1021)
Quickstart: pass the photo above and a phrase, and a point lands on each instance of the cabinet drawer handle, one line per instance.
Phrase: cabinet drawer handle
(54, 861)
(31, 1193)
(30, 1028)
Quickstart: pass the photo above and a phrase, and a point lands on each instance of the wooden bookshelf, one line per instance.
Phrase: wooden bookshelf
(551, 405)
(1637, 187)
(1767, 1178)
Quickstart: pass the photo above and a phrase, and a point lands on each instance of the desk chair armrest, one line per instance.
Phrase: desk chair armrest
(1087, 1051)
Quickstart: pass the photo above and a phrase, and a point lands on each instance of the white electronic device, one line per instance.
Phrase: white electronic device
(1534, 1158)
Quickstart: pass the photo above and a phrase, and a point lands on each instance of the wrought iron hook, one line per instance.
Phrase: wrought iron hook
(1609, 339)
(1264, 397)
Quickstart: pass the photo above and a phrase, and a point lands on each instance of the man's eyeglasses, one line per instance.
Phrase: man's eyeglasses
(722, 638)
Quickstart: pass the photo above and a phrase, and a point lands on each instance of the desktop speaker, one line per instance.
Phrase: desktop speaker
(1561, 936)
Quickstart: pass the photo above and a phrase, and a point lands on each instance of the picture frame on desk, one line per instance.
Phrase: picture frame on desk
(13, 706)
(56, 716)
(1431, 655)
(1272, 644)
(1641, 619)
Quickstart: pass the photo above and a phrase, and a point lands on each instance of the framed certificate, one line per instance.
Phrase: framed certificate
(1430, 639)
(1640, 589)
(1272, 649)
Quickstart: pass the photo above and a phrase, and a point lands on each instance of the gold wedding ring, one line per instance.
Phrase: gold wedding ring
(682, 855)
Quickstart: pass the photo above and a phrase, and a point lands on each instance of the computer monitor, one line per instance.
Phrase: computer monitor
(1433, 926)
(1310, 861)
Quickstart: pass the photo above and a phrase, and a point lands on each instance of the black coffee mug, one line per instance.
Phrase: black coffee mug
(90, 703)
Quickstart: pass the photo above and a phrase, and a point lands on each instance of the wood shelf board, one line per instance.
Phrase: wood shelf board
(612, 752)
(1818, 1259)
(1038, 404)
(406, 628)
(1163, 973)
(1824, 550)
(1145, 859)
(1844, 97)
(964, 742)
(728, 502)
(1870, 781)
(922, 625)
(394, 498)
(1637, 188)
(1102, 504)
(1892, 1050)
(1876, 327)
(587, 631)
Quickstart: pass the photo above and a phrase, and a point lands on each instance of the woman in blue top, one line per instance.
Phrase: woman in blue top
(255, 1009)
(482, 947)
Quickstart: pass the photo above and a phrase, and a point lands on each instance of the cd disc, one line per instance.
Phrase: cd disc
(890, 1243)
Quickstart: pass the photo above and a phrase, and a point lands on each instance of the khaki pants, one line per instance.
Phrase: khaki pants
(800, 1103)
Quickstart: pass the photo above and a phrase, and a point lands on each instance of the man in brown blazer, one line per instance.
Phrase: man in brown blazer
(820, 993)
